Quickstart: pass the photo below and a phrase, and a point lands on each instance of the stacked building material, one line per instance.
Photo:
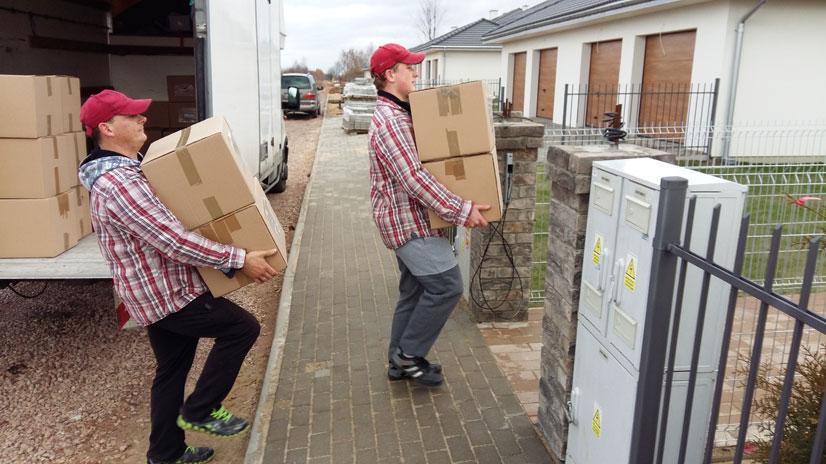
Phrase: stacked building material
(359, 99)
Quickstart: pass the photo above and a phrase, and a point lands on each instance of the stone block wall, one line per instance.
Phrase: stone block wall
(522, 139)
(569, 170)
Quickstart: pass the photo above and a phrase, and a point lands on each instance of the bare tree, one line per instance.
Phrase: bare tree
(429, 19)
(351, 63)
(297, 67)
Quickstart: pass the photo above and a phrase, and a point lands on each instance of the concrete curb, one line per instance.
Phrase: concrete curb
(266, 402)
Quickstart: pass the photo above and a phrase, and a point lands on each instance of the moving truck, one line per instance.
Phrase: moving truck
(220, 57)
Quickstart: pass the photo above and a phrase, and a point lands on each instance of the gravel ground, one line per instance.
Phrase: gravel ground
(75, 389)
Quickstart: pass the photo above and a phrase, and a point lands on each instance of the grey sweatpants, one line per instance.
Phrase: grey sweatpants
(430, 285)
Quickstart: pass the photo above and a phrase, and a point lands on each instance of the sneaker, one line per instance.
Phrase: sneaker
(191, 456)
(394, 373)
(417, 369)
(220, 422)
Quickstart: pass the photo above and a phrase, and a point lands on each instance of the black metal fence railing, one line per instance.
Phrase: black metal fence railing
(677, 115)
(653, 401)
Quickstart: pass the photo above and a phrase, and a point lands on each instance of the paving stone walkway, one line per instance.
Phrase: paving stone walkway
(334, 403)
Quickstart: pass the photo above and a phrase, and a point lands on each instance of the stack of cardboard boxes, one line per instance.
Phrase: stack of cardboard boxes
(43, 209)
(455, 141)
(198, 174)
(178, 112)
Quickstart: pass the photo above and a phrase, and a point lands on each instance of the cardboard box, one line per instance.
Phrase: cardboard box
(152, 135)
(451, 121)
(157, 116)
(82, 215)
(39, 228)
(37, 168)
(473, 178)
(31, 106)
(254, 227)
(81, 149)
(180, 88)
(68, 88)
(197, 173)
(182, 114)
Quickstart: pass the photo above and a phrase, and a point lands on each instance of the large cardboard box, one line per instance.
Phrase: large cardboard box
(80, 148)
(451, 121)
(157, 115)
(254, 227)
(82, 215)
(197, 173)
(40, 228)
(182, 114)
(30, 106)
(37, 168)
(180, 88)
(474, 178)
(68, 88)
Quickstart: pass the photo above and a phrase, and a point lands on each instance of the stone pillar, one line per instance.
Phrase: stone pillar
(522, 139)
(569, 169)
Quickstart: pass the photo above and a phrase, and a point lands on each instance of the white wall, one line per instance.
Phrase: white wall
(710, 19)
(142, 76)
(783, 67)
(18, 57)
(467, 65)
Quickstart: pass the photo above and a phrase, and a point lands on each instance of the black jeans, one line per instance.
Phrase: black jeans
(174, 340)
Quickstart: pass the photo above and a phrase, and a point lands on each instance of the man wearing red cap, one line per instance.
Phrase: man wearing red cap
(153, 259)
(401, 192)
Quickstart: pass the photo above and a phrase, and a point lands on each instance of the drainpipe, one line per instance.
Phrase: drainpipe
(735, 73)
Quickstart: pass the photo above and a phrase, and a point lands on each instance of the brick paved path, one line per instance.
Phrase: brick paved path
(334, 403)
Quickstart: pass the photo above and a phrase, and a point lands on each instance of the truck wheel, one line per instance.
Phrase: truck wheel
(281, 185)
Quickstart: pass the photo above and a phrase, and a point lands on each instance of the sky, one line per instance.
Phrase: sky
(317, 30)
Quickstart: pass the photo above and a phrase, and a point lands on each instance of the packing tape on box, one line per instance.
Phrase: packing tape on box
(54, 148)
(65, 241)
(213, 208)
(456, 168)
(49, 124)
(79, 197)
(63, 204)
(449, 100)
(185, 159)
(453, 143)
(56, 180)
(77, 149)
(48, 86)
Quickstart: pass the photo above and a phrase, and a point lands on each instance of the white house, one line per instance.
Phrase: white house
(600, 45)
(460, 55)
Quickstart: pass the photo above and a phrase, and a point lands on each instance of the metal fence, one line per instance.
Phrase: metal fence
(493, 86)
(772, 405)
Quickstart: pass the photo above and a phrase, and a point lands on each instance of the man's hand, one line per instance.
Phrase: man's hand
(256, 266)
(475, 219)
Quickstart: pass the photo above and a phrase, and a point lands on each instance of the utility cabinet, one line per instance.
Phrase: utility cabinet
(622, 213)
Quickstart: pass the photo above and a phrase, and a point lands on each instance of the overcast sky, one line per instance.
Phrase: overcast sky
(317, 30)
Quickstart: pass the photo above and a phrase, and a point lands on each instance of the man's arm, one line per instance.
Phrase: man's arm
(136, 209)
(397, 152)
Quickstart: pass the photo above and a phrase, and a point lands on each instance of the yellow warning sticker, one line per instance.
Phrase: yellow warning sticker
(597, 254)
(596, 422)
(630, 279)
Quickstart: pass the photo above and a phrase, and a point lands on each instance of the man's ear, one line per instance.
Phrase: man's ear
(104, 129)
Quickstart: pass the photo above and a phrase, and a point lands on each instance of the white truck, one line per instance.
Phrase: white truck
(231, 47)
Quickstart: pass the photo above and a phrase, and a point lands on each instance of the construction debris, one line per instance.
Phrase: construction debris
(359, 99)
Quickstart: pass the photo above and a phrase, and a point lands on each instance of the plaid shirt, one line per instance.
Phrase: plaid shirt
(401, 191)
(151, 255)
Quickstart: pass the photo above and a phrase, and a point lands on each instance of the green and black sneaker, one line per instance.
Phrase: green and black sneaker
(220, 423)
(191, 455)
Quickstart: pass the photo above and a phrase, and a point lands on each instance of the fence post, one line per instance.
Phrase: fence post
(565, 108)
(713, 116)
(644, 438)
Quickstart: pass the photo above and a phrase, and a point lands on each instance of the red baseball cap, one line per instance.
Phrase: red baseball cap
(105, 105)
(386, 56)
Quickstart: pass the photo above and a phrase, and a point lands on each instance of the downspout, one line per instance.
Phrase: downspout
(735, 74)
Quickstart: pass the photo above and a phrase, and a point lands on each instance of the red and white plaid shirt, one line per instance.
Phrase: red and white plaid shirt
(401, 191)
(151, 255)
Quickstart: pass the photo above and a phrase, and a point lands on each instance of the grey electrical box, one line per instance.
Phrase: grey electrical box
(616, 267)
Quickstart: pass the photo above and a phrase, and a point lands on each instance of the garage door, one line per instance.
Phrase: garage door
(603, 78)
(666, 79)
(518, 95)
(547, 82)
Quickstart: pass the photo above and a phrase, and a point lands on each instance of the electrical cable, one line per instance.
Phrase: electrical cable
(34, 295)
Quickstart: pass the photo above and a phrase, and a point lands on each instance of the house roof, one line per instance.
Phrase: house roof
(470, 35)
(557, 11)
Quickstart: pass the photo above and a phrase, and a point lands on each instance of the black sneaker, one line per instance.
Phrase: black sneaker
(220, 422)
(394, 373)
(417, 369)
(191, 456)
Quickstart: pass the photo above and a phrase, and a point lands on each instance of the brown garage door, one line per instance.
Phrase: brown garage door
(666, 79)
(518, 95)
(603, 78)
(547, 82)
